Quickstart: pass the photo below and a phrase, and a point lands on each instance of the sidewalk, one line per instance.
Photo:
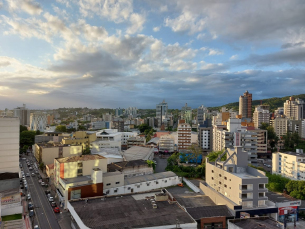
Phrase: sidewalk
(26, 219)
(299, 225)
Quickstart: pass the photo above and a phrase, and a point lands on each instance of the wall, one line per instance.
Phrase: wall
(191, 185)
(88, 190)
(138, 171)
(112, 178)
(220, 219)
(9, 145)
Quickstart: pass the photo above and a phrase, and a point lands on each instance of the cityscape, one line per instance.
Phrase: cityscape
(152, 114)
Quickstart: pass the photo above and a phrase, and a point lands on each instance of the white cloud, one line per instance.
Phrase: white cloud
(37, 92)
(87, 75)
(137, 21)
(234, 57)
(28, 6)
(156, 29)
(2, 88)
(65, 2)
(213, 52)
(163, 8)
(4, 63)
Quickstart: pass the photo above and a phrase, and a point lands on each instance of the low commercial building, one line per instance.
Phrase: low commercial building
(138, 152)
(112, 154)
(131, 168)
(167, 143)
(50, 136)
(97, 145)
(136, 141)
(289, 164)
(130, 211)
(234, 183)
(257, 222)
(47, 152)
(10, 194)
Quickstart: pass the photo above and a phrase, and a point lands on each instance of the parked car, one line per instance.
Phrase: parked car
(36, 171)
(36, 227)
(56, 210)
(31, 213)
(28, 197)
(51, 199)
(53, 204)
(42, 184)
(33, 174)
(30, 168)
(30, 205)
(27, 175)
(47, 192)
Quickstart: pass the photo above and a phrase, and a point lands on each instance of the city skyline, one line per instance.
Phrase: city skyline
(87, 54)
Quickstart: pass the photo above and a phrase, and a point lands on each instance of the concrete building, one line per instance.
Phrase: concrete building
(132, 111)
(47, 152)
(303, 129)
(82, 138)
(50, 119)
(136, 141)
(261, 115)
(79, 176)
(98, 125)
(245, 105)
(38, 121)
(186, 114)
(118, 124)
(234, 183)
(107, 117)
(161, 112)
(280, 125)
(6, 113)
(118, 112)
(138, 152)
(184, 135)
(205, 136)
(166, 143)
(295, 126)
(23, 114)
(201, 114)
(9, 144)
(294, 108)
(134, 211)
(254, 222)
(262, 141)
(50, 136)
(289, 164)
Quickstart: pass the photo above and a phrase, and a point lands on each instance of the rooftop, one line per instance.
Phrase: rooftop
(193, 200)
(9, 181)
(125, 164)
(138, 152)
(79, 158)
(7, 176)
(209, 211)
(293, 153)
(279, 198)
(129, 212)
(150, 177)
(254, 223)
(76, 179)
(51, 166)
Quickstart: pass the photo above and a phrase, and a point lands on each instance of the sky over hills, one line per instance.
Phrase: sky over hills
(112, 53)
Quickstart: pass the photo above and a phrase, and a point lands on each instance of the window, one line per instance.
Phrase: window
(225, 185)
(244, 187)
(115, 190)
(225, 178)
(147, 184)
(108, 184)
(219, 182)
(261, 186)
(117, 182)
(165, 181)
(261, 194)
(128, 188)
(212, 178)
(212, 171)
(219, 175)
(157, 182)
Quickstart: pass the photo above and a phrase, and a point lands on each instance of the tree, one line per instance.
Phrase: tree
(41, 166)
(27, 138)
(61, 128)
(23, 128)
(151, 164)
(264, 126)
(214, 155)
(291, 140)
(87, 151)
(195, 152)
(144, 127)
(272, 137)
(80, 127)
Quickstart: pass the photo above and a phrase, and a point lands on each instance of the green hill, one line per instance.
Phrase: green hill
(274, 103)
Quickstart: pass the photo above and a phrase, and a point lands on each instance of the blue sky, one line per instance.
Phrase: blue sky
(121, 53)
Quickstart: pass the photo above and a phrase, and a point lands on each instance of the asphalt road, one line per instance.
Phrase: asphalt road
(161, 164)
(44, 215)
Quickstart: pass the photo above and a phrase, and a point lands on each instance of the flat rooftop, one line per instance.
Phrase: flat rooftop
(209, 211)
(193, 200)
(138, 152)
(279, 198)
(79, 158)
(253, 223)
(150, 177)
(293, 153)
(76, 179)
(120, 166)
(129, 212)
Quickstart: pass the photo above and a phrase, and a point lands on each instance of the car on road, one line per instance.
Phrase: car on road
(28, 197)
(56, 210)
(36, 227)
(53, 204)
(27, 175)
(30, 206)
(36, 172)
(51, 199)
(42, 184)
(30, 168)
(47, 192)
(33, 174)
(31, 213)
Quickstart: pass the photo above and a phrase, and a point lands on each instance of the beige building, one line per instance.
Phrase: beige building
(261, 115)
(233, 182)
(280, 125)
(184, 135)
(289, 164)
(136, 141)
(80, 138)
(47, 152)
(262, 141)
(167, 143)
(9, 144)
(294, 108)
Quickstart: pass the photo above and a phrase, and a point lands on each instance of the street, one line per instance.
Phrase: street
(44, 216)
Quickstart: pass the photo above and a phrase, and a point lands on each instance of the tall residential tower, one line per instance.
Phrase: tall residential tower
(245, 105)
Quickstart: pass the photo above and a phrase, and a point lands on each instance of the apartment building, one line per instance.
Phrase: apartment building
(205, 137)
(9, 144)
(201, 114)
(47, 152)
(98, 125)
(80, 176)
(303, 129)
(245, 105)
(289, 164)
(161, 112)
(294, 108)
(280, 125)
(186, 114)
(23, 114)
(118, 112)
(166, 143)
(234, 183)
(295, 126)
(184, 135)
(80, 138)
(261, 115)
(118, 124)
(136, 141)
(38, 121)
(262, 140)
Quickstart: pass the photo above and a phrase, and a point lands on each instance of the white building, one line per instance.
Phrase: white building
(294, 108)
(260, 115)
(23, 114)
(280, 125)
(97, 145)
(38, 121)
(9, 144)
(289, 164)
(167, 143)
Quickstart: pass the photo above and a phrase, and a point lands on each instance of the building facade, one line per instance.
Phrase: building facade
(261, 115)
(201, 114)
(184, 135)
(245, 105)
(186, 114)
(38, 121)
(161, 112)
(23, 114)
(294, 108)
(280, 125)
(167, 143)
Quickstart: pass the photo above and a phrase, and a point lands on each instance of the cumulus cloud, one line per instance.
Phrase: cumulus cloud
(137, 21)
(156, 29)
(28, 6)
(4, 63)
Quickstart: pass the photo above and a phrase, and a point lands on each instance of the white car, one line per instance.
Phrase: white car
(42, 183)
(51, 199)
(28, 197)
